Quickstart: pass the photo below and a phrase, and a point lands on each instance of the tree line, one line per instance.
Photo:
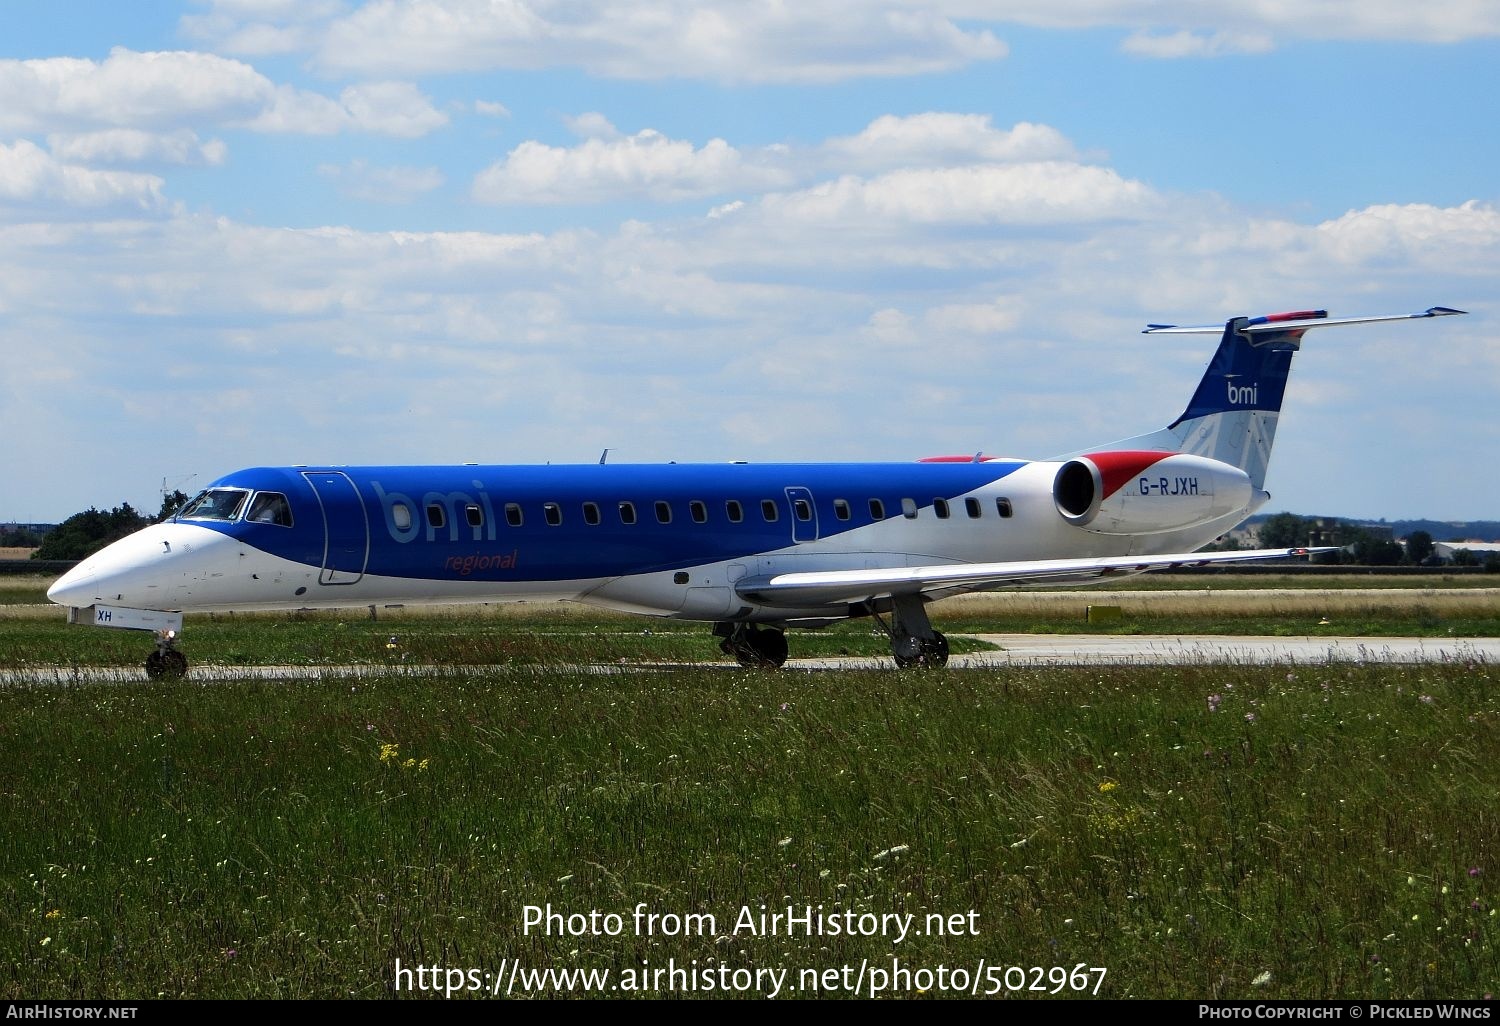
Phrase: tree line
(1360, 546)
(83, 534)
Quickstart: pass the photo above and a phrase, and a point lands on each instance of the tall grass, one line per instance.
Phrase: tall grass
(1325, 831)
(510, 635)
(433, 636)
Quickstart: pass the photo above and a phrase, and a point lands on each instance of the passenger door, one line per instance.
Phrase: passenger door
(346, 529)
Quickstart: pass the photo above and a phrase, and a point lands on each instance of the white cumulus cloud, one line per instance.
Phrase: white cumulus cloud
(359, 180)
(385, 108)
(1185, 43)
(1459, 234)
(1034, 193)
(1437, 21)
(941, 138)
(603, 168)
(29, 176)
(135, 146)
(747, 40)
(163, 91)
(127, 89)
(775, 41)
(609, 165)
(261, 27)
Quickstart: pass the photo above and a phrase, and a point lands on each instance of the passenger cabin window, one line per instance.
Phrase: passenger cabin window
(802, 510)
(909, 508)
(734, 511)
(215, 504)
(474, 515)
(513, 515)
(699, 511)
(841, 508)
(940, 507)
(1005, 508)
(552, 513)
(401, 516)
(627, 512)
(877, 509)
(591, 514)
(768, 510)
(435, 518)
(272, 508)
(663, 512)
(971, 505)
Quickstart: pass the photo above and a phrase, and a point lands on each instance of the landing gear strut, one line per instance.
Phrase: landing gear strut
(751, 645)
(166, 661)
(913, 641)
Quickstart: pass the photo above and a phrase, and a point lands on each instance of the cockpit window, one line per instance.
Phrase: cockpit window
(271, 508)
(215, 504)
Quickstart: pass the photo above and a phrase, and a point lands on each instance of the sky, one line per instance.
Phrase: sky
(238, 233)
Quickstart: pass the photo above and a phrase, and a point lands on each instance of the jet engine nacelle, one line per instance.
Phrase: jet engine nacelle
(1134, 492)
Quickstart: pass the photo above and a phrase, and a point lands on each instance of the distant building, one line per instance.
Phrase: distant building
(1445, 550)
(1341, 533)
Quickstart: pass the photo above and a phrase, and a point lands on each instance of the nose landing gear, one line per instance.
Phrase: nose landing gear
(166, 661)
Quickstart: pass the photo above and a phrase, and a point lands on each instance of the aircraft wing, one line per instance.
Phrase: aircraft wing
(825, 587)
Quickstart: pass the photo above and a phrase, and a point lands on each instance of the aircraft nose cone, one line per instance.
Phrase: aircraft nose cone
(139, 570)
(74, 588)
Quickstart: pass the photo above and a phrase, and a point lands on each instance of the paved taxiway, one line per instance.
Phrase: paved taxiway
(1162, 650)
(1097, 650)
(1014, 650)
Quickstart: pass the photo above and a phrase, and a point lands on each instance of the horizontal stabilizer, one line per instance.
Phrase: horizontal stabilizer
(815, 587)
(1298, 321)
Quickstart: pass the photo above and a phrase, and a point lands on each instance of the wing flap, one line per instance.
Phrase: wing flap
(828, 587)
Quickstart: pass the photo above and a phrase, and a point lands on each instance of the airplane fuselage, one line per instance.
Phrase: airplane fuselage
(669, 540)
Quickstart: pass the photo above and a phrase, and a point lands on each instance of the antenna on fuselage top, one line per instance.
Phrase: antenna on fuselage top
(603, 456)
(172, 484)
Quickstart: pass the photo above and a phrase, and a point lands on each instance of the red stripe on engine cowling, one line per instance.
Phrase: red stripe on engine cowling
(1117, 468)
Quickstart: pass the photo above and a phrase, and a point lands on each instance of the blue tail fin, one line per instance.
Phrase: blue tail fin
(1248, 372)
(1232, 416)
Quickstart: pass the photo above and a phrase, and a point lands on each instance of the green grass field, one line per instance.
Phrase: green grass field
(33, 632)
(1201, 831)
(1334, 828)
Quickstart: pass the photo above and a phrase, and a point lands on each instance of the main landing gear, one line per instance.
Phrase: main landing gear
(166, 661)
(751, 645)
(913, 641)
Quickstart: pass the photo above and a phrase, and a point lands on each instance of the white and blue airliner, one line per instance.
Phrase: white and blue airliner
(752, 549)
